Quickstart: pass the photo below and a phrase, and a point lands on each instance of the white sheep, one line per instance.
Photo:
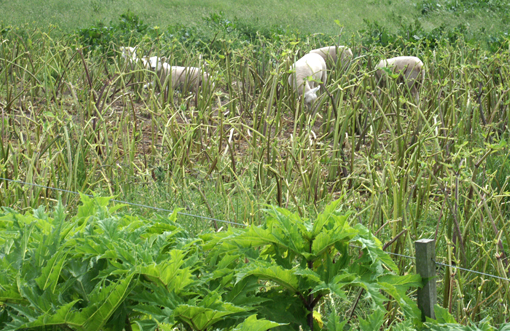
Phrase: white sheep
(129, 55)
(409, 68)
(184, 78)
(330, 54)
(309, 66)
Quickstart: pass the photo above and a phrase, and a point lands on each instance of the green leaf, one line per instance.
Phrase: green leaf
(288, 229)
(396, 286)
(334, 323)
(374, 322)
(330, 218)
(328, 239)
(210, 311)
(243, 293)
(105, 301)
(169, 272)
(51, 271)
(373, 247)
(442, 315)
(253, 324)
(284, 277)
(63, 316)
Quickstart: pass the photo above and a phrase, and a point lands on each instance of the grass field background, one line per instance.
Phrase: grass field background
(305, 16)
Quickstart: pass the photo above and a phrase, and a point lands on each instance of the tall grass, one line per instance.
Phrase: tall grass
(79, 120)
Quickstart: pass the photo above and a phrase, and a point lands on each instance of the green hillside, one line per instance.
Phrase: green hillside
(305, 16)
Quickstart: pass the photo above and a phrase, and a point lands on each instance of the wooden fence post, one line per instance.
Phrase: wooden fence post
(426, 267)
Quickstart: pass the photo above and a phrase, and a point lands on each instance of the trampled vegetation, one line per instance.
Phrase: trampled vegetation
(75, 117)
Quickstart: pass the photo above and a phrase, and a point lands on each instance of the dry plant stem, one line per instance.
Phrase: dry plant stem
(480, 92)
(394, 239)
(207, 204)
(66, 67)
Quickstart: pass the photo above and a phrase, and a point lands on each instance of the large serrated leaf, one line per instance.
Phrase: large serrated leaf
(275, 273)
(50, 273)
(200, 318)
(93, 318)
(63, 316)
(253, 324)
(374, 322)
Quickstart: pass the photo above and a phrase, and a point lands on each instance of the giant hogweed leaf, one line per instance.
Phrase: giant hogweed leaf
(396, 286)
(374, 321)
(442, 315)
(337, 285)
(309, 279)
(50, 273)
(372, 291)
(156, 313)
(283, 309)
(200, 318)
(208, 312)
(255, 236)
(156, 302)
(253, 324)
(86, 209)
(334, 323)
(288, 229)
(10, 294)
(169, 272)
(331, 265)
(275, 273)
(63, 317)
(373, 248)
(328, 239)
(103, 303)
(243, 293)
(329, 219)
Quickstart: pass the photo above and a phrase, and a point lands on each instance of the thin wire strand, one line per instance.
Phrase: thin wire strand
(234, 223)
(406, 256)
(472, 271)
(120, 201)
(445, 265)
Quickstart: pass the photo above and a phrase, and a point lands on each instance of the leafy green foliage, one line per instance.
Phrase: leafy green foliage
(101, 270)
(129, 28)
(311, 259)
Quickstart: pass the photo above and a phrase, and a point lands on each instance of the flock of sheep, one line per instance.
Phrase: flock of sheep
(308, 73)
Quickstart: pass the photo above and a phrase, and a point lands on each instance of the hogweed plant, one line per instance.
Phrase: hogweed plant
(301, 262)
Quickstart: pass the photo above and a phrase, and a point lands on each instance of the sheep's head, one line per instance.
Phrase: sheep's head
(155, 63)
(311, 95)
(128, 52)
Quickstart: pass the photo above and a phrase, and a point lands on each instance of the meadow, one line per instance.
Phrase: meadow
(75, 117)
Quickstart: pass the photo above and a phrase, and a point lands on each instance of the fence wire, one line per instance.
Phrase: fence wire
(120, 201)
(233, 223)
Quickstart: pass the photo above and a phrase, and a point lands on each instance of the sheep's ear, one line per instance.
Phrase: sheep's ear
(314, 90)
(163, 59)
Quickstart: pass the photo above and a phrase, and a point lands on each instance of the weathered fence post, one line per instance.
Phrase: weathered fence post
(426, 267)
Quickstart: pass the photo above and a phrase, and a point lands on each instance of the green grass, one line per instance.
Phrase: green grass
(305, 16)
(74, 118)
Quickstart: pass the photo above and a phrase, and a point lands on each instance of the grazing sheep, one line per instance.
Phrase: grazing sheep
(129, 55)
(311, 65)
(409, 69)
(330, 54)
(184, 78)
